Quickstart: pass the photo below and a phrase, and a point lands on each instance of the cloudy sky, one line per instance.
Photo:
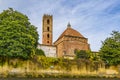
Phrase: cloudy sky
(95, 19)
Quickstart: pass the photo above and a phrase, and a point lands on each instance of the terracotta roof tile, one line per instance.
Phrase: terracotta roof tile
(71, 32)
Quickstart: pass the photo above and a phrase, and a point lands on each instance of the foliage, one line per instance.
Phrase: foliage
(18, 38)
(110, 50)
(40, 52)
(46, 62)
(95, 56)
(83, 54)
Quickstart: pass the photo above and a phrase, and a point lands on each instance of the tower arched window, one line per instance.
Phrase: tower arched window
(48, 35)
(48, 21)
(47, 41)
(48, 29)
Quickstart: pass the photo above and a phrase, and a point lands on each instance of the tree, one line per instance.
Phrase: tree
(18, 38)
(110, 50)
(40, 52)
(83, 54)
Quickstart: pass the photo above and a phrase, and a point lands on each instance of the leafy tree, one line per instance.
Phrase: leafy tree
(83, 54)
(110, 50)
(18, 38)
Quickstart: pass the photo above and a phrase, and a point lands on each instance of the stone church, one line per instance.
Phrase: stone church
(65, 46)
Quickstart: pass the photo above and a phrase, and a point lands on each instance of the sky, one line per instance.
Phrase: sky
(94, 19)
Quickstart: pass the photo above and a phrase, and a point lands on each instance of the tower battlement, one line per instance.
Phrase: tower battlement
(47, 15)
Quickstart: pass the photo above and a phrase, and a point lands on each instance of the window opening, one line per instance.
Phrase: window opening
(48, 21)
(48, 29)
(48, 35)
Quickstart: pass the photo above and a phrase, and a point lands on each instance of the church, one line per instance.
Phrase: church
(66, 44)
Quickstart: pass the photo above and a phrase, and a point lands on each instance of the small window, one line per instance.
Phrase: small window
(48, 29)
(47, 41)
(48, 21)
(48, 35)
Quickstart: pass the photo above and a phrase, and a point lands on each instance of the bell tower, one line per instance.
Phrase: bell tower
(47, 29)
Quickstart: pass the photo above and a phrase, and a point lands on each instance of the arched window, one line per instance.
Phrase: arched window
(48, 35)
(47, 41)
(48, 21)
(48, 29)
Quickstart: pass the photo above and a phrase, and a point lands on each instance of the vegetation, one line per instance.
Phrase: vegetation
(95, 56)
(110, 50)
(42, 66)
(83, 54)
(18, 38)
(40, 52)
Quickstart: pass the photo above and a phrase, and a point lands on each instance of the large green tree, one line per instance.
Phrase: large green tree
(18, 38)
(110, 50)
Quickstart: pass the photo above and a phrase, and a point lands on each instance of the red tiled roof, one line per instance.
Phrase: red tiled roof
(71, 32)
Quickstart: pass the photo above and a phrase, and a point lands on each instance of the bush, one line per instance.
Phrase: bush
(40, 52)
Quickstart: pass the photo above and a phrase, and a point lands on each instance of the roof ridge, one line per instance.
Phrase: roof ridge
(71, 32)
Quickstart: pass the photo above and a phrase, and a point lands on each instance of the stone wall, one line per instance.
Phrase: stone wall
(50, 51)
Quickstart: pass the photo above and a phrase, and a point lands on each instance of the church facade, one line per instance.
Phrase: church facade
(65, 46)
